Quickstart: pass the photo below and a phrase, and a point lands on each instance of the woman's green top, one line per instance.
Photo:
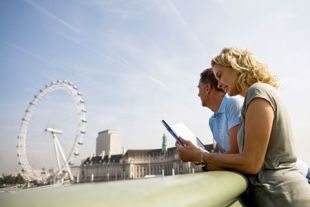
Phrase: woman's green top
(278, 183)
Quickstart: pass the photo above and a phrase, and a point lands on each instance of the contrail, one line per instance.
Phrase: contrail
(118, 60)
(158, 82)
(81, 44)
(34, 55)
(186, 26)
(52, 16)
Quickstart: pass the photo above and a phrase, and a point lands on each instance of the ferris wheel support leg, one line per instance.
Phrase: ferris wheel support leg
(56, 151)
(64, 159)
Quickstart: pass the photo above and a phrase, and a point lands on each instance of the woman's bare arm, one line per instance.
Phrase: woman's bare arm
(258, 126)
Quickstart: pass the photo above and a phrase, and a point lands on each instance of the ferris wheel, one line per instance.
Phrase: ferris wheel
(64, 160)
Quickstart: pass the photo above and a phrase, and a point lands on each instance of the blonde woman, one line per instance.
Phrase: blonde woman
(264, 138)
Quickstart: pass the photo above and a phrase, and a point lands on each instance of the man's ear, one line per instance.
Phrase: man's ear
(208, 88)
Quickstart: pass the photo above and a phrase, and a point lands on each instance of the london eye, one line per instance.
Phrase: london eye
(63, 156)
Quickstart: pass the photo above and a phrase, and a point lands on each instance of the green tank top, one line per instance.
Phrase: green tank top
(278, 183)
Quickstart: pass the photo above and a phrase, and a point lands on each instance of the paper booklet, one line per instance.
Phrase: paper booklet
(185, 133)
(181, 130)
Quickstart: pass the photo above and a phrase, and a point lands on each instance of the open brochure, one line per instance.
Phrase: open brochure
(181, 130)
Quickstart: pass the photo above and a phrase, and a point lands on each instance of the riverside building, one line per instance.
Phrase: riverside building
(131, 164)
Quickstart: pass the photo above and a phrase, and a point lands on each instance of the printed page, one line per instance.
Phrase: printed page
(185, 133)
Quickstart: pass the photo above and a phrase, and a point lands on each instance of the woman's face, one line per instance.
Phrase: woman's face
(227, 78)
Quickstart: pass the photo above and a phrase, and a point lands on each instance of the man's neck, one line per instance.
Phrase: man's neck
(216, 101)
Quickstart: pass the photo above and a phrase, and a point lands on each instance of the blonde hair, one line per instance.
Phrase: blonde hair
(250, 69)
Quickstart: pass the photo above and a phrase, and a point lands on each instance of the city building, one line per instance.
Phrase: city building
(109, 142)
(132, 164)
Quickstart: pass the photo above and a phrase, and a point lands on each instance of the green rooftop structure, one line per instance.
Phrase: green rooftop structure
(164, 144)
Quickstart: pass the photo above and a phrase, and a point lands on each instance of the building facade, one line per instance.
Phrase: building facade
(134, 164)
(110, 164)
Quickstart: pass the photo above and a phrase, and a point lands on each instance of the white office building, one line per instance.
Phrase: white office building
(108, 142)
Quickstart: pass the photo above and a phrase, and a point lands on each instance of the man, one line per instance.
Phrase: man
(225, 121)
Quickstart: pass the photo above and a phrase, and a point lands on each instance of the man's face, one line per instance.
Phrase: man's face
(203, 93)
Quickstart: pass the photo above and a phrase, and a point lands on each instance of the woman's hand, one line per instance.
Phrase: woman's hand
(189, 152)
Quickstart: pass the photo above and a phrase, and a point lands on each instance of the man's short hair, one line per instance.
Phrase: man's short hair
(207, 77)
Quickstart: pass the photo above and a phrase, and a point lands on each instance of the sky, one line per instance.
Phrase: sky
(137, 62)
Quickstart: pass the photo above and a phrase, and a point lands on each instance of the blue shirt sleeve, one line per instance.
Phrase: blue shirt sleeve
(233, 112)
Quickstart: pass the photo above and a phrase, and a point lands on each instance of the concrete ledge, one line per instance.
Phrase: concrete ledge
(218, 188)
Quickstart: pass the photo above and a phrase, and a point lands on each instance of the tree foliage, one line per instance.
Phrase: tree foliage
(11, 180)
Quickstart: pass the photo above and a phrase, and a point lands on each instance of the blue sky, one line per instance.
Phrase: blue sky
(137, 62)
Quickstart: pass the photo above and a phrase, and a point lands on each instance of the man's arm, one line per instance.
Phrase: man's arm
(233, 140)
(233, 115)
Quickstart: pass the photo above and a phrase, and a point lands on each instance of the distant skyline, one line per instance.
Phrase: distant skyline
(138, 62)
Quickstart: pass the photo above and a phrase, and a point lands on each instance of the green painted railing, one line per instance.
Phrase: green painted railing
(219, 188)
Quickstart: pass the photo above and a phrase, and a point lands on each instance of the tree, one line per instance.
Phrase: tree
(19, 179)
(11, 180)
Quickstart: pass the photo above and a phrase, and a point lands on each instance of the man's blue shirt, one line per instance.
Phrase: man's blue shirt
(227, 116)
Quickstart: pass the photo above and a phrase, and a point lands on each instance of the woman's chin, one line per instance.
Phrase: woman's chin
(232, 93)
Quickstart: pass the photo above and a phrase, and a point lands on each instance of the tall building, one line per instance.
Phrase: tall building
(108, 142)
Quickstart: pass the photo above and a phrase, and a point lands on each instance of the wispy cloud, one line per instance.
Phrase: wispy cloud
(123, 9)
(119, 60)
(52, 16)
(188, 29)
(158, 82)
(44, 60)
(83, 44)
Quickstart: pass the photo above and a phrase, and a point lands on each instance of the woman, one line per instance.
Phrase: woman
(264, 138)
